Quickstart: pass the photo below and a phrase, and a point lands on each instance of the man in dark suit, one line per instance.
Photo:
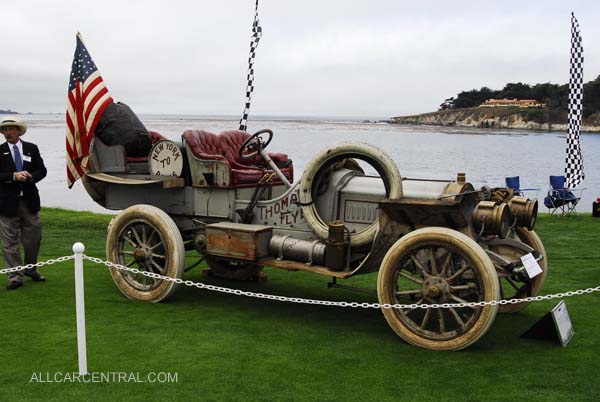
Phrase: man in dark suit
(21, 166)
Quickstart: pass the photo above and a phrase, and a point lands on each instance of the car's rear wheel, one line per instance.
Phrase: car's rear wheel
(146, 238)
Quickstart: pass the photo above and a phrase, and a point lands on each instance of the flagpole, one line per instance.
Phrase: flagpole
(256, 35)
(574, 174)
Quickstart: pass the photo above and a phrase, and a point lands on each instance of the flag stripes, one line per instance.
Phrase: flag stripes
(87, 99)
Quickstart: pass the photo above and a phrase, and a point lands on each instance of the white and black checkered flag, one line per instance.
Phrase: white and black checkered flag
(256, 34)
(574, 161)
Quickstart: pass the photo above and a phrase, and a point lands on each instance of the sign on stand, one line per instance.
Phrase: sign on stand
(555, 325)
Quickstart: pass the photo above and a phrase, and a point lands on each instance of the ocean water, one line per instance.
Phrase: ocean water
(486, 156)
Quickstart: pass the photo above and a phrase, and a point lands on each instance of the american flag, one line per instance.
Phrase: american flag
(88, 97)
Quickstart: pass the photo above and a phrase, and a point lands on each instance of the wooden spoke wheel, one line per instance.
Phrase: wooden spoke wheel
(434, 266)
(146, 238)
(513, 288)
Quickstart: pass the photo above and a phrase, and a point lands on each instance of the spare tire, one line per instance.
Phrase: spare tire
(376, 157)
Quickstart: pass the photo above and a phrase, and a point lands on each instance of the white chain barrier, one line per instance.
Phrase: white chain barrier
(78, 249)
(299, 300)
(39, 264)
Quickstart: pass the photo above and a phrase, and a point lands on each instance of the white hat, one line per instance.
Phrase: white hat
(15, 122)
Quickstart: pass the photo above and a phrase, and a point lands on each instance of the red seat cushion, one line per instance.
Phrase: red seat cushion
(225, 147)
(203, 144)
(249, 171)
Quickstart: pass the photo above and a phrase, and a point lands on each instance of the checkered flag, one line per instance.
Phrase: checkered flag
(256, 34)
(574, 161)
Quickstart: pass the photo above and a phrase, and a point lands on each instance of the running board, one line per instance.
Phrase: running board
(300, 266)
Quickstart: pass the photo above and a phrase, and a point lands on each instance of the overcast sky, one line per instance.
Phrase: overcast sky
(375, 58)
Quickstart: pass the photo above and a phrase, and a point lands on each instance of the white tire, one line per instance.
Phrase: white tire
(146, 238)
(436, 265)
(376, 157)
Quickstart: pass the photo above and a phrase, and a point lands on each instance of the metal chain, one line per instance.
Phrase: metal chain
(343, 303)
(39, 264)
(239, 292)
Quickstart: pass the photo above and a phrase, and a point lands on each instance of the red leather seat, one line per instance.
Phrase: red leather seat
(225, 147)
(139, 159)
(203, 144)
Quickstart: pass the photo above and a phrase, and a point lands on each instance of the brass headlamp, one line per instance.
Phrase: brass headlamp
(524, 210)
(491, 218)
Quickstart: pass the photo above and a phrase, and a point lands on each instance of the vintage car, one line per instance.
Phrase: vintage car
(225, 196)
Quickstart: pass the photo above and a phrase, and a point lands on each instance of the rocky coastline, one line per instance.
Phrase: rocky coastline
(541, 119)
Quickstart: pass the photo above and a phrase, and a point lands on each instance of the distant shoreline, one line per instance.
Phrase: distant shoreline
(533, 119)
(533, 130)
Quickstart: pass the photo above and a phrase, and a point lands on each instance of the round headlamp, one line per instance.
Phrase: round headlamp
(524, 211)
(491, 218)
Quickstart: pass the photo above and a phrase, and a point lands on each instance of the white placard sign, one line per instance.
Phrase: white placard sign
(166, 159)
(555, 324)
(562, 322)
(531, 265)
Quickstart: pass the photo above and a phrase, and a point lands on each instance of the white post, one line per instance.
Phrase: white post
(78, 249)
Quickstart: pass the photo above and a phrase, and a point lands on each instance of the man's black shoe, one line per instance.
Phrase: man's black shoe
(14, 285)
(36, 277)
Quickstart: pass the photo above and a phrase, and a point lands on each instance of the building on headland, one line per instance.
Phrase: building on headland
(512, 102)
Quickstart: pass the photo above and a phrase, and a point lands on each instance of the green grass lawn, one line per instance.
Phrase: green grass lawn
(233, 348)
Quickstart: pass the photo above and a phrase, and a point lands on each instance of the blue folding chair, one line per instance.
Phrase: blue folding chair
(514, 183)
(561, 199)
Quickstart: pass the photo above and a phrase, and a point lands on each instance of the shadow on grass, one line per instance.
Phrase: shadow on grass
(229, 347)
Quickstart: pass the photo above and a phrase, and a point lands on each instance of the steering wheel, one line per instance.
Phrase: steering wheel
(255, 144)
